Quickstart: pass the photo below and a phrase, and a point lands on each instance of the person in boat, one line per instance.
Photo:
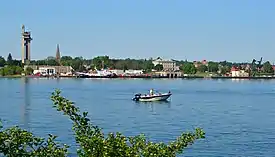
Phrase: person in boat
(151, 92)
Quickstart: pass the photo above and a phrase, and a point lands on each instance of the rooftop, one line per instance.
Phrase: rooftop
(163, 60)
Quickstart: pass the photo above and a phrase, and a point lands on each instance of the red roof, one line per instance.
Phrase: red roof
(204, 61)
(234, 68)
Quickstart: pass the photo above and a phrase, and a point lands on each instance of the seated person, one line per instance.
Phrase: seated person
(151, 92)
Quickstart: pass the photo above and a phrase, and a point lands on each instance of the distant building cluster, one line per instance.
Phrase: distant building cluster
(52, 70)
(169, 68)
(41, 70)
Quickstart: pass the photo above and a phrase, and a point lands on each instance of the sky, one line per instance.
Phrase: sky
(232, 30)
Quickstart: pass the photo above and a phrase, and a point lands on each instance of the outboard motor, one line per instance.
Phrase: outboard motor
(136, 98)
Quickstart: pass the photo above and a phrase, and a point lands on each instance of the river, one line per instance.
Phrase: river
(237, 115)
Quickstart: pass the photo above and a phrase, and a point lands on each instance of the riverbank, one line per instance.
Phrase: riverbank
(146, 77)
(12, 76)
(184, 77)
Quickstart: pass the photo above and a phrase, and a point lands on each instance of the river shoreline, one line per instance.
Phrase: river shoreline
(147, 77)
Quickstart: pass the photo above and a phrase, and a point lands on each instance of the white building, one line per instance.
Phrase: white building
(52, 70)
(49, 71)
(169, 74)
(168, 65)
(235, 72)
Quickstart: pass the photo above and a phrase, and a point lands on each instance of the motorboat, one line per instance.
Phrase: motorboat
(152, 97)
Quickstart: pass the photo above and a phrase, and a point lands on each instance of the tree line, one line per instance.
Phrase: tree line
(10, 66)
(225, 67)
(80, 64)
(99, 62)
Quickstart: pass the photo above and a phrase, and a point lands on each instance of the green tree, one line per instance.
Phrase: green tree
(202, 68)
(148, 66)
(40, 62)
(28, 71)
(267, 67)
(17, 62)
(9, 59)
(97, 63)
(66, 60)
(51, 62)
(226, 63)
(118, 64)
(101, 62)
(2, 61)
(125, 67)
(90, 138)
(78, 64)
(2, 72)
(18, 70)
(11, 70)
(131, 64)
(224, 69)
(188, 68)
(213, 67)
(159, 67)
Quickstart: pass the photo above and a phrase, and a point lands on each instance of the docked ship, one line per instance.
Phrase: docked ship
(97, 74)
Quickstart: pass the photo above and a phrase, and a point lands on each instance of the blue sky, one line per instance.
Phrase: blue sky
(234, 30)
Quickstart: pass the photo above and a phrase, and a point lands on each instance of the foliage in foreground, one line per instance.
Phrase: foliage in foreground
(17, 142)
(91, 140)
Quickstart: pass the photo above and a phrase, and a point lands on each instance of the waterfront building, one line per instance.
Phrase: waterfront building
(168, 65)
(45, 71)
(236, 72)
(51, 70)
(174, 74)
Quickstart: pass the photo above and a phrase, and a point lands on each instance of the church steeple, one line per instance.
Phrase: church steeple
(57, 54)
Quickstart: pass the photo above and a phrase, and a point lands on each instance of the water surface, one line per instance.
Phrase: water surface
(237, 115)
